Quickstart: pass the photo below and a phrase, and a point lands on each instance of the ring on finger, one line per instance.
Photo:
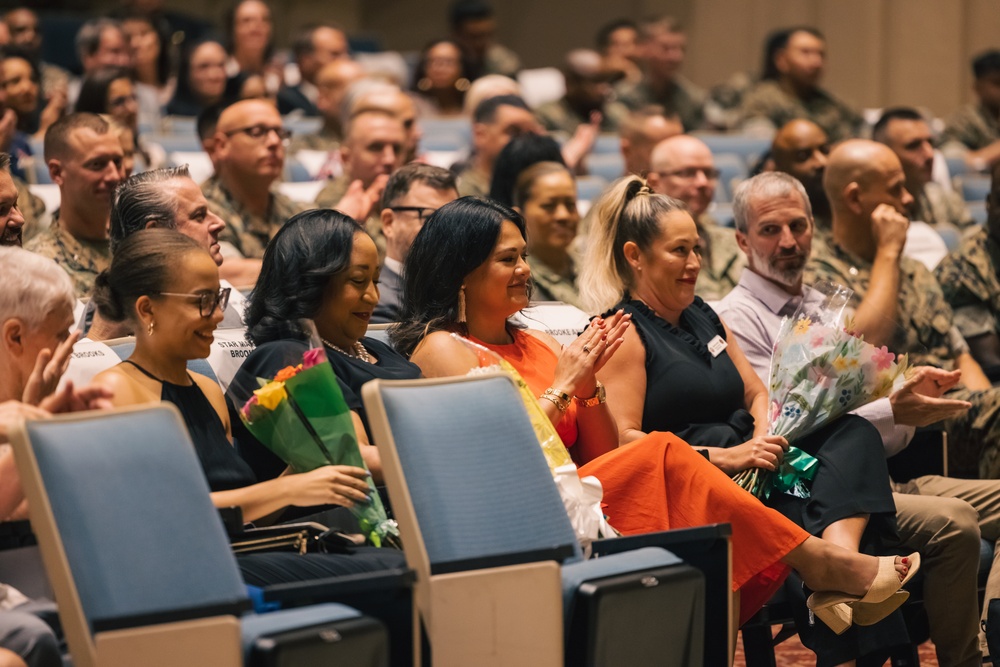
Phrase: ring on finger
(586, 348)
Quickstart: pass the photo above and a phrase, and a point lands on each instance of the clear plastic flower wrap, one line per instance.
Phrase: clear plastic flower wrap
(820, 370)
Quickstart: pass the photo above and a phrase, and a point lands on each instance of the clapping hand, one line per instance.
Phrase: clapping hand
(584, 357)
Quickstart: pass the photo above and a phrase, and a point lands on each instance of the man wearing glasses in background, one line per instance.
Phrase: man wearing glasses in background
(412, 194)
(682, 167)
(249, 156)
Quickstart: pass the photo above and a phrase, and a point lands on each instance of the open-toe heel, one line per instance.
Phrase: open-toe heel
(838, 617)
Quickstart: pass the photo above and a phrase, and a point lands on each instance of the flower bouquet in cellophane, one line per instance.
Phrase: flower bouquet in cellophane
(302, 417)
(820, 370)
(581, 496)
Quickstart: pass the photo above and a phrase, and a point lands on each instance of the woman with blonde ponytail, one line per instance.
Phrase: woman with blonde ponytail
(680, 370)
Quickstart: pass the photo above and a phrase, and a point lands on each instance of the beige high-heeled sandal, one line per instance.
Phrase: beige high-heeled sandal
(882, 598)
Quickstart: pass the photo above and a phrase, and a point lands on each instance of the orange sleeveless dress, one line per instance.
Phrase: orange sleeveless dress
(660, 482)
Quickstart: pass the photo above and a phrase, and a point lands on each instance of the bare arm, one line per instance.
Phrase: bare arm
(624, 379)
(973, 376)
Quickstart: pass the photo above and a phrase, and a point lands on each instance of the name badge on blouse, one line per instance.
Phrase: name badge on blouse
(717, 345)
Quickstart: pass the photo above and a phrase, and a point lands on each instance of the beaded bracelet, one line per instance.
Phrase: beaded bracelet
(559, 398)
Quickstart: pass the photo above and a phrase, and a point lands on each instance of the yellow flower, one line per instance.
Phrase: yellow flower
(840, 363)
(802, 325)
(270, 395)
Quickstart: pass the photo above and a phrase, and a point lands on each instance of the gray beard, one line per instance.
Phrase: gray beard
(786, 277)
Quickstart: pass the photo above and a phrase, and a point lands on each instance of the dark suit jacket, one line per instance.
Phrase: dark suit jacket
(390, 305)
(291, 98)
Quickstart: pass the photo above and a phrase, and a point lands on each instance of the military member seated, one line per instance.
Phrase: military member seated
(789, 89)
(976, 126)
(588, 91)
(85, 160)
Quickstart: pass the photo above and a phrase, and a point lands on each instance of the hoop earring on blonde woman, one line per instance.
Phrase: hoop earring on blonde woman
(461, 305)
(149, 330)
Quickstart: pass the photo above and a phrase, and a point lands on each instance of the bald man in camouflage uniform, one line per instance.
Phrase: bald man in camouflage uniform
(897, 301)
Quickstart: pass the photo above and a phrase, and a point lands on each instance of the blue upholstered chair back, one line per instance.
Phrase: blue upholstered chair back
(476, 474)
(132, 507)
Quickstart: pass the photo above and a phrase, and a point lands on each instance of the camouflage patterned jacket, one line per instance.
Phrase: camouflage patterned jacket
(682, 97)
(937, 205)
(968, 278)
(974, 126)
(81, 259)
(925, 327)
(549, 285)
(722, 260)
(246, 233)
(766, 104)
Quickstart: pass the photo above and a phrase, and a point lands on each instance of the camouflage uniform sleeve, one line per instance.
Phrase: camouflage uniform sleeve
(968, 127)
(968, 280)
(32, 208)
(332, 193)
(764, 107)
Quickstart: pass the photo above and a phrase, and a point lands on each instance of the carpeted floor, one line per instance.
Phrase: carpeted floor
(791, 653)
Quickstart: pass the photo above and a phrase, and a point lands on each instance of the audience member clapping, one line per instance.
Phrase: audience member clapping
(21, 80)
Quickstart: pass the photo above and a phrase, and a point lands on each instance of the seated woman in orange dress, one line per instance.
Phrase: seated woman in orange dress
(466, 273)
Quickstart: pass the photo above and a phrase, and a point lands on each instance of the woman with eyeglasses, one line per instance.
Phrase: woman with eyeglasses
(167, 287)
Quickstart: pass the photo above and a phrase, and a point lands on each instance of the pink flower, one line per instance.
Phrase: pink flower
(883, 358)
(249, 405)
(313, 357)
(817, 340)
(775, 411)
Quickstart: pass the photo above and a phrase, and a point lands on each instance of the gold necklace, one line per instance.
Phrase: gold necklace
(358, 351)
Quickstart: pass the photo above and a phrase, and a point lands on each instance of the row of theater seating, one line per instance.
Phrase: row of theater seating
(144, 575)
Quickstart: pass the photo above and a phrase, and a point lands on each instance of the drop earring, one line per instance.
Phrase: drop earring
(461, 305)
(149, 330)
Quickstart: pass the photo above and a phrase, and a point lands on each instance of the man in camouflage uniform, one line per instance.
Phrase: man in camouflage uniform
(85, 161)
(588, 90)
(971, 284)
(976, 127)
(249, 156)
(375, 147)
(332, 82)
(494, 122)
(909, 136)
(682, 167)
(790, 89)
(662, 44)
(898, 303)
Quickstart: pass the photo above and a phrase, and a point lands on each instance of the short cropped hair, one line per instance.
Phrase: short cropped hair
(57, 136)
(33, 286)
(141, 199)
(486, 112)
(777, 41)
(767, 185)
(402, 180)
(891, 114)
(463, 11)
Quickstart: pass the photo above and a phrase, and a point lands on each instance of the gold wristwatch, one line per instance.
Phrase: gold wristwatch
(600, 396)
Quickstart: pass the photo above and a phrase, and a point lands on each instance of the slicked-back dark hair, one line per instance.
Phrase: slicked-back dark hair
(453, 243)
(891, 114)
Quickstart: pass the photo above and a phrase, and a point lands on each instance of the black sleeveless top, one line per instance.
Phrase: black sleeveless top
(222, 466)
(688, 391)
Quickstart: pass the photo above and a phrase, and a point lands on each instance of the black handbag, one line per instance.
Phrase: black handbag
(992, 627)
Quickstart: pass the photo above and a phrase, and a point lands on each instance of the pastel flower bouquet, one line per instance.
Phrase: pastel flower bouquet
(581, 496)
(820, 370)
(302, 417)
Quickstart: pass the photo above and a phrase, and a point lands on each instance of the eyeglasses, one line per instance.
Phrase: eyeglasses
(121, 101)
(207, 301)
(259, 132)
(690, 173)
(422, 212)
